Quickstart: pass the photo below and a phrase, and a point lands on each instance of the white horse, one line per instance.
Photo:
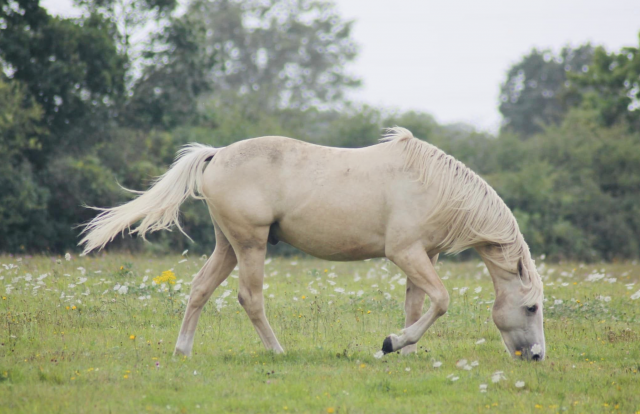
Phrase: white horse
(403, 199)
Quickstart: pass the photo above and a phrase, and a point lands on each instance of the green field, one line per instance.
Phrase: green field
(93, 335)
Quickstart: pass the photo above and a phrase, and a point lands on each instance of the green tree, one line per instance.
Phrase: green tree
(611, 86)
(537, 93)
(70, 68)
(288, 53)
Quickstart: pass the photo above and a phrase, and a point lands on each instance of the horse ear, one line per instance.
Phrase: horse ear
(523, 273)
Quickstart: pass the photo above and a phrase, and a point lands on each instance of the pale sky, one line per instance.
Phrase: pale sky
(449, 57)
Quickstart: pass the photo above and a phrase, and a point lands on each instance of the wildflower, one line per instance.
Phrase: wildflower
(518, 353)
(519, 384)
(166, 277)
(497, 376)
(378, 355)
(437, 364)
(407, 369)
(331, 410)
(635, 295)
(461, 363)
(73, 307)
(536, 349)
(125, 376)
(480, 341)
(303, 297)
(368, 312)
(132, 337)
(483, 387)
(67, 257)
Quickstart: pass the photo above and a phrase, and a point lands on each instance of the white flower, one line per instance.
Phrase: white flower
(480, 341)
(635, 295)
(182, 261)
(519, 384)
(185, 252)
(407, 369)
(483, 387)
(378, 355)
(453, 379)
(475, 363)
(123, 290)
(557, 302)
(265, 286)
(142, 285)
(467, 367)
(82, 270)
(536, 349)
(339, 290)
(402, 282)
(461, 363)
(71, 286)
(177, 287)
(67, 257)
(497, 376)
(478, 289)
(437, 364)
(81, 280)
(463, 290)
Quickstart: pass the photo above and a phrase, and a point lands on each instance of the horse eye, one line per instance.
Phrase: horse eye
(533, 308)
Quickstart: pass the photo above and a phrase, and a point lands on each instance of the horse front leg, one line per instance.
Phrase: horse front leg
(413, 302)
(420, 270)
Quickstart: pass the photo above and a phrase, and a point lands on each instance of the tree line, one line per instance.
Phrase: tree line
(93, 103)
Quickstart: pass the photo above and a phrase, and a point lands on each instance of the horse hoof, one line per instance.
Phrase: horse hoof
(387, 345)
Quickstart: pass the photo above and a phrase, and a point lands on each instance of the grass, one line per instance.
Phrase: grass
(98, 349)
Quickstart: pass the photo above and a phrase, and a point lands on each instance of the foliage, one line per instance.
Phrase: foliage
(537, 91)
(81, 114)
(611, 86)
(286, 53)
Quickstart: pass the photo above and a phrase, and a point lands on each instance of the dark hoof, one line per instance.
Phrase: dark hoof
(387, 346)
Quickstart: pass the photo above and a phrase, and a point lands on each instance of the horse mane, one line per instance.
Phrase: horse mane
(472, 213)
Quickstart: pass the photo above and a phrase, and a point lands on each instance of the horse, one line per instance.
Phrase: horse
(403, 199)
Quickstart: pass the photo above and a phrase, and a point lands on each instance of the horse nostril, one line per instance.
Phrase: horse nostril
(536, 357)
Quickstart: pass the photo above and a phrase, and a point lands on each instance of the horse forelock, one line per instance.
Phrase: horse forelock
(467, 207)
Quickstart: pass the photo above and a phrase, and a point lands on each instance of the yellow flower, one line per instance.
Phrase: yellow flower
(304, 297)
(518, 353)
(73, 307)
(331, 410)
(166, 277)
(132, 337)
(126, 376)
(4, 298)
(368, 312)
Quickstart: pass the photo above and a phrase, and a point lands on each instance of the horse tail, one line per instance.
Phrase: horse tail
(158, 207)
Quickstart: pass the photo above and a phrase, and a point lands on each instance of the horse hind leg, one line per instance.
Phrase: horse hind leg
(251, 254)
(415, 262)
(212, 274)
(413, 307)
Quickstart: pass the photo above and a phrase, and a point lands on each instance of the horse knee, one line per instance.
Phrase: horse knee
(198, 296)
(440, 302)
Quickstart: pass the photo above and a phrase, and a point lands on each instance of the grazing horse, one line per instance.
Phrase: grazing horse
(403, 199)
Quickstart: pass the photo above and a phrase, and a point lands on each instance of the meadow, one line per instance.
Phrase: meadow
(96, 335)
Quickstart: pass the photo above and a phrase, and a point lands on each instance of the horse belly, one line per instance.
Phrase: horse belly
(333, 232)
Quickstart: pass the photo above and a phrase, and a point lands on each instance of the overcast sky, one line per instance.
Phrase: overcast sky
(449, 57)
